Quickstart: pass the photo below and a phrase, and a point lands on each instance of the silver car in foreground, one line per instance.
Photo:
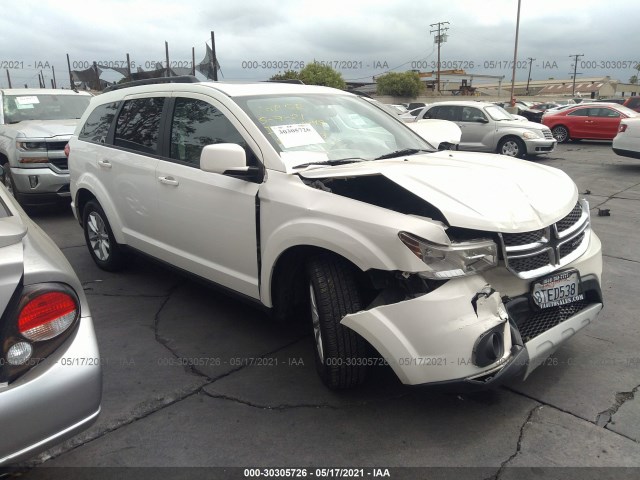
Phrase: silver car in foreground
(50, 374)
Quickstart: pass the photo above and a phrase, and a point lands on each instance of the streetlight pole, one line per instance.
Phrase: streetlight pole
(515, 58)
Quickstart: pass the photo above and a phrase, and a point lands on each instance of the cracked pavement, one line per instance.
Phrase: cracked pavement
(193, 377)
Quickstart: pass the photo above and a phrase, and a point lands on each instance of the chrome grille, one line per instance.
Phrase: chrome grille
(531, 254)
(547, 134)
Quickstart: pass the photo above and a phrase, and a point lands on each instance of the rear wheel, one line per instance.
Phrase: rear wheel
(98, 235)
(512, 147)
(560, 133)
(340, 352)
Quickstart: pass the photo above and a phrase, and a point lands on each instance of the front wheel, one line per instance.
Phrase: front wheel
(340, 352)
(512, 147)
(560, 133)
(104, 250)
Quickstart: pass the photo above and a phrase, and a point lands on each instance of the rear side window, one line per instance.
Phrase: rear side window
(97, 125)
(581, 112)
(196, 124)
(138, 125)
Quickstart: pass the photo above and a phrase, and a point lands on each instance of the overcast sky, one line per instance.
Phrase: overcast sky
(361, 38)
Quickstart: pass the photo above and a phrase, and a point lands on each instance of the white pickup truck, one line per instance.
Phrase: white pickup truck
(35, 126)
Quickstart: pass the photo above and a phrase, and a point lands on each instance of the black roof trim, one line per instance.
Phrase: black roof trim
(152, 81)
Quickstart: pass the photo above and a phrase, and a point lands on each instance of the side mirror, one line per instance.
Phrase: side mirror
(223, 157)
(480, 120)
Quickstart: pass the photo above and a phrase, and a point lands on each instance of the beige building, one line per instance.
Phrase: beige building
(597, 87)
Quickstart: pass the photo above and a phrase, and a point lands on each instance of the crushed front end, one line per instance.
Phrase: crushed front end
(484, 328)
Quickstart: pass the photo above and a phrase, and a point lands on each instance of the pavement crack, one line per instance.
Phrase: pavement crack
(527, 421)
(620, 258)
(604, 418)
(283, 406)
(598, 338)
(165, 342)
(546, 404)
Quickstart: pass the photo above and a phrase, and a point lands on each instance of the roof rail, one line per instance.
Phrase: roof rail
(286, 80)
(152, 81)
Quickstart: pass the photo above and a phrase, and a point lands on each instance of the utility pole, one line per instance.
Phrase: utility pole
(575, 69)
(529, 77)
(438, 39)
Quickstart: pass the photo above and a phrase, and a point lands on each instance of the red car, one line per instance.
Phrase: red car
(597, 121)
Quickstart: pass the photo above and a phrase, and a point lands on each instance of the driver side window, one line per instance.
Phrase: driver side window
(196, 124)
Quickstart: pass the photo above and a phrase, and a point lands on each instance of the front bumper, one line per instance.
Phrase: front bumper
(539, 145)
(54, 400)
(40, 186)
(433, 339)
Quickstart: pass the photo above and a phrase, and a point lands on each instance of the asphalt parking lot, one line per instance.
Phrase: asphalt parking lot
(194, 378)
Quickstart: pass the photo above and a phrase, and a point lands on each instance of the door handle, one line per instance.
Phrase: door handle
(104, 163)
(169, 181)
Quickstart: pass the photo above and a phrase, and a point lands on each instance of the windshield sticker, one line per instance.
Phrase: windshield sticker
(30, 100)
(296, 135)
(26, 102)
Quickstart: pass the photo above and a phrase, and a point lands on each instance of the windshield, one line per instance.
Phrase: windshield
(321, 128)
(18, 108)
(498, 113)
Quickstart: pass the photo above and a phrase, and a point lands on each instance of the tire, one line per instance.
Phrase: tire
(560, 133)
(339, 351)
(104, 249)
(512, 147)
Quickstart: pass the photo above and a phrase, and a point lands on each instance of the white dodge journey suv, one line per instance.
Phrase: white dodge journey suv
(454, 267)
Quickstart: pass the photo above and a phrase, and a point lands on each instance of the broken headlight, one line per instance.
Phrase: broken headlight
(455, 260)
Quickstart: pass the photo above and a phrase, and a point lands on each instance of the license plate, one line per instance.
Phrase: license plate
(558, 289)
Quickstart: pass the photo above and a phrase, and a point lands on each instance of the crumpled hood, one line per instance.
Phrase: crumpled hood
(477, 191)
(45, 128)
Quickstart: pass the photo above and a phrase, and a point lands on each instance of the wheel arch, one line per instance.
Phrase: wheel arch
(286, 290)
(85, 192)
